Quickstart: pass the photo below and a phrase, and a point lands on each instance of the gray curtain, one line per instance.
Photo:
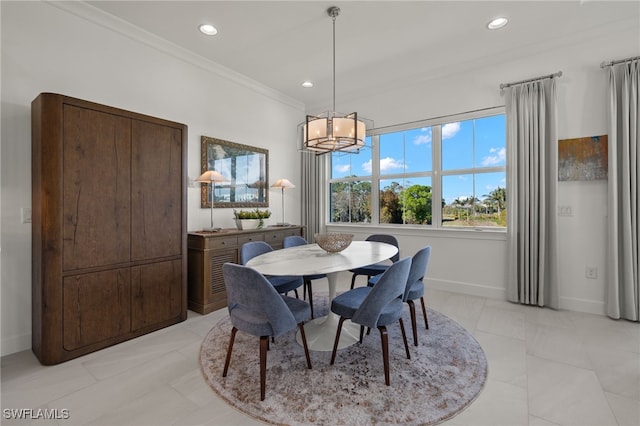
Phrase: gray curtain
(313, 189)
(623, 291)
(532, 180)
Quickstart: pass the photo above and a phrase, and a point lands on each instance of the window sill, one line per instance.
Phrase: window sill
(408, 230)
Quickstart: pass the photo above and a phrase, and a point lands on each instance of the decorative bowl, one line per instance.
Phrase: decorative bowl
(333, 242)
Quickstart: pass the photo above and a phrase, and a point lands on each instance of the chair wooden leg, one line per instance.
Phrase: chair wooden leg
(335, 344)
(229, 349)
(384, 337)
(264, 342)
(304, 344)
(414, 326)
(353, 280)
(308, 284)
(361, 333)
(424, 312)
(404, 338)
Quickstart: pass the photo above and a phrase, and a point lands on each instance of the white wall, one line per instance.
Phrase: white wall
(47, 49)
(475, 264)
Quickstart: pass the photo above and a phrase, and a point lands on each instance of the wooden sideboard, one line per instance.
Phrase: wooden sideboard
(208, 251)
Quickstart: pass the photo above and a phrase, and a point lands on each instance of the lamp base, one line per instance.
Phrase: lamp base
(212, 229)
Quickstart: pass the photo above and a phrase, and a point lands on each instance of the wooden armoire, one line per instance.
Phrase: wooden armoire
(109, 240)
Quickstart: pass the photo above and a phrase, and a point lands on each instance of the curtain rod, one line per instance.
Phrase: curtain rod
(619, 61)
(555, 74)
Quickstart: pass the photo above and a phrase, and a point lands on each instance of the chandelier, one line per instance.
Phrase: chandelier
(333, 131)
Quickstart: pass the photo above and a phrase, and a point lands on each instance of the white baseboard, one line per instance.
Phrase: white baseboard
(583, 305)
(467, 288)
(567, 303)
(15, 344)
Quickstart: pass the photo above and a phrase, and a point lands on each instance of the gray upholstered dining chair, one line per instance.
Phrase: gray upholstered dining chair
(376, 268)
(293, 241)
(282, 283)
(375, 307)
(257, 309)
(415, 287)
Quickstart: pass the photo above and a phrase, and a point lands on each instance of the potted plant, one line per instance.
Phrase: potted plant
(250, 219)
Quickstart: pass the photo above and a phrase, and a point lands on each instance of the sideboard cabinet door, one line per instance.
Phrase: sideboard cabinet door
(209, 251)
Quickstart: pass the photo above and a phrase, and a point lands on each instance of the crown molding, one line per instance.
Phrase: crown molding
(113, 23)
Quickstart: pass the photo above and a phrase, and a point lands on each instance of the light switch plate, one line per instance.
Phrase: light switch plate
(25, 214)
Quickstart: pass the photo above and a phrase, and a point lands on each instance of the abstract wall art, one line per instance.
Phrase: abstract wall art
(583, 158)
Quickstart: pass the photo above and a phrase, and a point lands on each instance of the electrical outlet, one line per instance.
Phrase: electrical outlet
(591, 272)
(565, 211)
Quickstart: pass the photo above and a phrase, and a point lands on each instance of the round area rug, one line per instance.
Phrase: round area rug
(446, 373)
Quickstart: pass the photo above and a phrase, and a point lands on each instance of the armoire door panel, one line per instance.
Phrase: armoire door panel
(157, 293)
(156, 191)
(105, 182)
(96, 307)
(96, 188)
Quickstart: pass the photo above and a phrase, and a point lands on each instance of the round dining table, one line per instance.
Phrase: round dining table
(310, 259)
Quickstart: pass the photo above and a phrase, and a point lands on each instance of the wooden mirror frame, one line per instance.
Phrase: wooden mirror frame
(224, 156)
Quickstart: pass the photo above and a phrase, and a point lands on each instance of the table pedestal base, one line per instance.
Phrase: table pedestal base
(321, 333)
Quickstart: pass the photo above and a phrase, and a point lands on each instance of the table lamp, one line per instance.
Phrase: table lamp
(283, 183)
(211, 177)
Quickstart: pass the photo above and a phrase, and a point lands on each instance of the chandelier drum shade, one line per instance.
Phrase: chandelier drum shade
(333, 131)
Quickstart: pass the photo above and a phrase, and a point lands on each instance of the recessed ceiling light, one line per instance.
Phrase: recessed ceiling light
(208, 29)
(307, 84)
(497, 23)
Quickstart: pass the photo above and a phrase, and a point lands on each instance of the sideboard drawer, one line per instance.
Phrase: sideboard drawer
(221, 243)
(249, 238)
(274, 237)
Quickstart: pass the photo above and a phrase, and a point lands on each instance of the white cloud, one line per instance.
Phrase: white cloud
(424, 138)
(449, 130)
(499, 155)
(386, 164)
(343, 168)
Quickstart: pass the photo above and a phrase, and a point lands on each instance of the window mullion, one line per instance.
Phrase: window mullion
(375, 179)
(436, 180)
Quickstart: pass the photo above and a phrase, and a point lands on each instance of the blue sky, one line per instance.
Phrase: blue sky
(465, 144)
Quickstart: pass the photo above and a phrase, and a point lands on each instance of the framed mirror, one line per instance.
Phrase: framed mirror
(246, 169)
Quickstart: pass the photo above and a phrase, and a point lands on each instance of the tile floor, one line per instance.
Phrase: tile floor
(545, 368)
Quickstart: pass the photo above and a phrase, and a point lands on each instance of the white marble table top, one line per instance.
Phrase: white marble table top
(310, 259)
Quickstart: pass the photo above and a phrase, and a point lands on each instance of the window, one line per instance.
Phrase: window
(458, 160)
(350, 186)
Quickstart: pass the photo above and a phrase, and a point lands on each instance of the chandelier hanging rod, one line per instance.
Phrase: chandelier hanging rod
(334, 12)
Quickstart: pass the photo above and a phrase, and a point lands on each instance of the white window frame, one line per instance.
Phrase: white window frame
(436, 174)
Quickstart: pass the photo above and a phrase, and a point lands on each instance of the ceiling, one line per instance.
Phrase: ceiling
(378, 43)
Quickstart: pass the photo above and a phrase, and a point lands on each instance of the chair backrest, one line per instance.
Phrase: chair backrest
(293, 240)
(386, 238)
(419, 263)
(253, 249)
(390, 287)
(250, 297)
